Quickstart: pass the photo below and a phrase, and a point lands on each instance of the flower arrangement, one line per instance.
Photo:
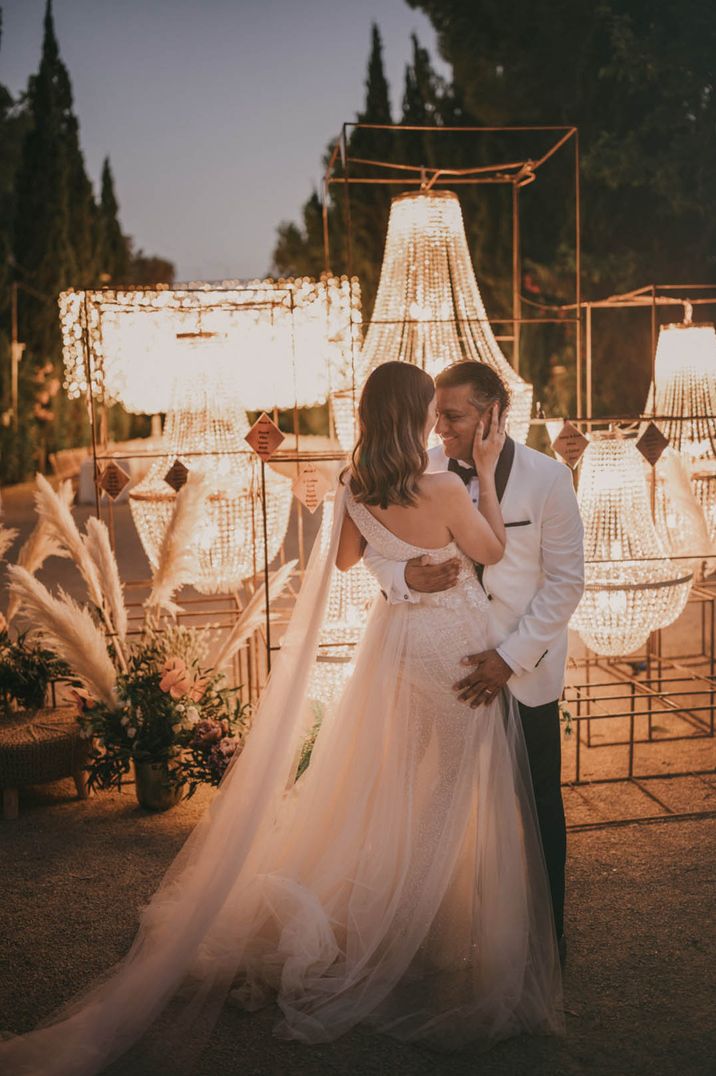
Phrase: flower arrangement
(26, 671)
(156, 698)
(169, 707)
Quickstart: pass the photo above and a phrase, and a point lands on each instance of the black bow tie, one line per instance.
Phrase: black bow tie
(466, 473)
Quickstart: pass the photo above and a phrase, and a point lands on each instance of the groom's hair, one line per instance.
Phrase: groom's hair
(487, 385)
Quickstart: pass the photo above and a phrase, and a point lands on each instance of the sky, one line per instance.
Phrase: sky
(215, 115)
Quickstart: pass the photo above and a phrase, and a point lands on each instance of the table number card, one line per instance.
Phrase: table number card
(112, 480)
(264, 437)
(570, 443)
(310, 486)
(177, 475)
(652, 443)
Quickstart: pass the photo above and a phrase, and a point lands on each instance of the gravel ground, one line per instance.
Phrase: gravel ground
(640, 977)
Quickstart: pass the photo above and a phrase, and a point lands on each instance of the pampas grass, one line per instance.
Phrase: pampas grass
(40, 545)
(99, 548)
(61, 526)
(254, 615)
(7, 537)
(70, 632)
(176, 555)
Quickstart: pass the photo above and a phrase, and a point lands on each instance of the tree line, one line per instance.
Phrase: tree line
(637, 79)
(55, 233)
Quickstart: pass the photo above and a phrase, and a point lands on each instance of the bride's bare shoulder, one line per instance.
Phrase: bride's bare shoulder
(440, 484)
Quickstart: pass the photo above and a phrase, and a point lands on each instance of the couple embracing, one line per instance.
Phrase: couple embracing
(413, 877)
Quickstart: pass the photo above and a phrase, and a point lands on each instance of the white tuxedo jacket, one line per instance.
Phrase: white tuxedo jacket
(536, 586)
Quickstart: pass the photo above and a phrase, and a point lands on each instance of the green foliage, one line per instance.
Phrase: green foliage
(26, 671)
(171, 709)
(53, 235)
(309, 743)
(115, 248)
(638, 81)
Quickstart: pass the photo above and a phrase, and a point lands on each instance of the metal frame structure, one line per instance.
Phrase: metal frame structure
(672, 686)
(253, 662)
(517, 174)
(654, 687)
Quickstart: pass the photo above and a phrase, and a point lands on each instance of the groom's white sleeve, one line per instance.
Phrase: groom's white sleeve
(390, 575)
(562, 554)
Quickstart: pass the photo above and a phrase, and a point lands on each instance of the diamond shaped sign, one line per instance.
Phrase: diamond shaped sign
(310, 486)
(113, 480)
(177, 475)
(652, 443)
(570, 443)
(264, 437)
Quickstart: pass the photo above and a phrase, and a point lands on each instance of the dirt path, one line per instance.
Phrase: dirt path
(640, 979)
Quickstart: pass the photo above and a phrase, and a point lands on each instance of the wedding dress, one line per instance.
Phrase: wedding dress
(399, 882)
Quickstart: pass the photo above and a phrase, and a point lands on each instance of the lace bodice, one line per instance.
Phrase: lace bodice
(392, 547)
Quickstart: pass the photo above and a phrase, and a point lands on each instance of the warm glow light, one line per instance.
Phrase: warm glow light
(636, 588)
(349, 599)
(205, 431)
(291, 342)
(685, 389)
(678, 516)
(428, 309)
(344, 418)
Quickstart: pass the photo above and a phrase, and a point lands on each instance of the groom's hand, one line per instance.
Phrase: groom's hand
(489, 676)
(428, 578)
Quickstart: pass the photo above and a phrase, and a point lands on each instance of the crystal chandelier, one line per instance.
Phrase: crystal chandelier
(293, 340)
(428, 309)
(205, 432)
(684, 394)
(632, 588)
(678, 516)
(349, 599)
(344, 417)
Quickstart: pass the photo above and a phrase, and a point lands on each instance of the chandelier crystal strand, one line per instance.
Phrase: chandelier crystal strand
(632, 588)
(428, 308)
(349, 599)
(345, 420)
(205, 431)
(684, 393)
(678, 516)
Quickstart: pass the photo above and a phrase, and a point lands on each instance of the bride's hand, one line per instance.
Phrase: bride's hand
(486, 449)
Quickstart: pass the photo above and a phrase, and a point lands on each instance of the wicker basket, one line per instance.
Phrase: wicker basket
(40, 746)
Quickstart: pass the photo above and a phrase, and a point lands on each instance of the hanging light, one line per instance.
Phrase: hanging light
(632, 588)
(678, 516)
(428, 309)
(205, 432)
(292, 340)
(344, 417)
(349, 599)
(684, 394)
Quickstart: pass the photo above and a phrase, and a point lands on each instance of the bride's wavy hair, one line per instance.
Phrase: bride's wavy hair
(389, 456)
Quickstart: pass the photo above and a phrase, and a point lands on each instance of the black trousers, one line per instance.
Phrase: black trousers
(542, 736)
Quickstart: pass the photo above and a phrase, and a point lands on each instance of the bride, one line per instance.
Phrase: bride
(400, 881)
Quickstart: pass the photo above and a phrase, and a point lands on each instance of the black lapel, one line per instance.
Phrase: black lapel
(504, 466)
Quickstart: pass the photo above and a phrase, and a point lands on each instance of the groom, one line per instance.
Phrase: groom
(534, 589)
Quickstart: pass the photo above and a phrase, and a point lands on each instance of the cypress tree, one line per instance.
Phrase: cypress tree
(54, 245)
(370, 203)
(114, 246)
(44, 251)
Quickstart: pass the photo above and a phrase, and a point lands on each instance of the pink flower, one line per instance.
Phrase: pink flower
(176, 678)
(82, 699)
(197, 689)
